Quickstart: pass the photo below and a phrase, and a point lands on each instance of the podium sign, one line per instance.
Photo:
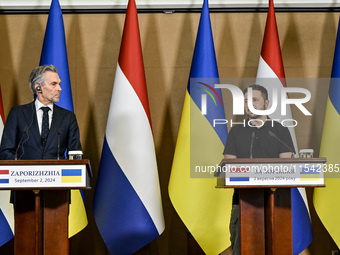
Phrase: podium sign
(41, 196)
(22, 174)
(271, 172)
(37, 177)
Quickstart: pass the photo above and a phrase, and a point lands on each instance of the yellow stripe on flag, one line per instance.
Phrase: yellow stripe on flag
(309, 177)
(70, 179)
(77, 216)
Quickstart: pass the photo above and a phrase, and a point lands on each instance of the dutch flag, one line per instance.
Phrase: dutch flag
(271, 75)
(6, 208)
(127, 203)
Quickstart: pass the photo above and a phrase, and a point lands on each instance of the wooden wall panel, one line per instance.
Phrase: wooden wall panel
(93, 42)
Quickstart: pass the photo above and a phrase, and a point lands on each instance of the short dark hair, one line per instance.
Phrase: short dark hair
(37, 75)
(262, 89)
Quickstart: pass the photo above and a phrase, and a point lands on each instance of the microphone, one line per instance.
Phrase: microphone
(22, 137)
(58, 143)
(282, 142)
(251, 144)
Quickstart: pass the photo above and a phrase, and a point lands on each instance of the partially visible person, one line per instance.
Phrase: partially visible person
(260, 139)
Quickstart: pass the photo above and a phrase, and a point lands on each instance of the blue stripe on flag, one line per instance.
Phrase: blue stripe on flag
(239, 179)
(4, 180)
(71, 172)
(301, 224)
(120, 215)
(6, 232)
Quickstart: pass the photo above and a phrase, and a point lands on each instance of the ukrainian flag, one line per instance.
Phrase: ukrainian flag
(54, 52)
(309, 174)
(71, 175)
(204, 209)
(326, 199)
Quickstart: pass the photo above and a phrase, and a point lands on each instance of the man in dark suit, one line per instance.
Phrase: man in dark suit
(254, 140)
(41, 129)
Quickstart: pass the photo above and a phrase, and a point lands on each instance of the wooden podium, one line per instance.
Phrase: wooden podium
(41, 200)
(265, 198)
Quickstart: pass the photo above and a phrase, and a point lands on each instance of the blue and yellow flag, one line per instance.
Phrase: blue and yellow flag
(326, 199)
(204, 209)
(54, 53)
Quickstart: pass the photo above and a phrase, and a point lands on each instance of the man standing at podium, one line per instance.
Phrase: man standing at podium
(257, 137)
(40, 129)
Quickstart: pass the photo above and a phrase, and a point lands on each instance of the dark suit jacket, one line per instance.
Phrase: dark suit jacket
(64, 127)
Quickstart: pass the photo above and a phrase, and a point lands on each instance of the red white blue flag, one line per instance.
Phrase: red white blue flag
(127, 203)
(271, 69)
(6, 208)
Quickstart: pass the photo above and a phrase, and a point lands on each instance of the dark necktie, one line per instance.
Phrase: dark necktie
(45, 126)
